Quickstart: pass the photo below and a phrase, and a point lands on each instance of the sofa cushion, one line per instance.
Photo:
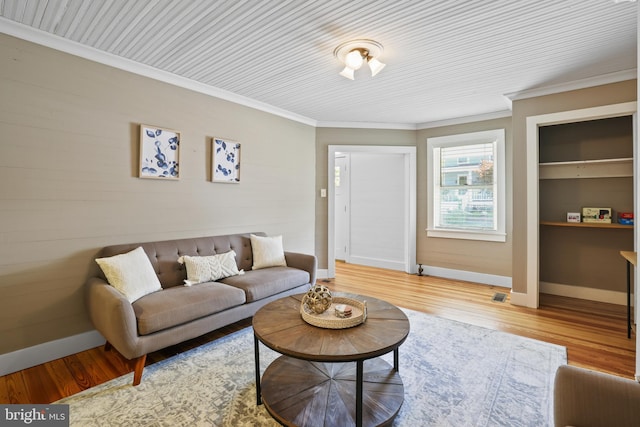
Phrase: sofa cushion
(177, 305)
(259, 284)
(130, 273)
(267, 252)
(210, 268)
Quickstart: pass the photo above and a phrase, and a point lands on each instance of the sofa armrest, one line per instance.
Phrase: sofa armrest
(305, 262)
(588, 398)
(113, 316)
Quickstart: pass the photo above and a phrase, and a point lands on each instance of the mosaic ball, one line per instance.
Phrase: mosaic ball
(318, 299)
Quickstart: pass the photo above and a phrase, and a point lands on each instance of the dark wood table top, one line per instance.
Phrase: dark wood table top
(280, 326)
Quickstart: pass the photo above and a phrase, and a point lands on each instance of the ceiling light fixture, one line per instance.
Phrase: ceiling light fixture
(354, 53)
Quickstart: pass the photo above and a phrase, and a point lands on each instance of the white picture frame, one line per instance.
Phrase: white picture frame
(159, 153)
(225, 161)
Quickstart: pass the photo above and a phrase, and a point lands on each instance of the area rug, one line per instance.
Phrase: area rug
(454, 374)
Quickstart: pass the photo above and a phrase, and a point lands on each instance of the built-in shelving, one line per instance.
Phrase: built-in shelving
(586, 224)
(601, 168)
(586, 163)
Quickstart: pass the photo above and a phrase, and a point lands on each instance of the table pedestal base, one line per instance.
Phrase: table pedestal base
(302, 393)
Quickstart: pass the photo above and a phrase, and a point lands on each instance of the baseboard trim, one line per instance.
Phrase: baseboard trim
(46, 352)
(447, 273)
(377, 262)
(468, 276)
(591, 294)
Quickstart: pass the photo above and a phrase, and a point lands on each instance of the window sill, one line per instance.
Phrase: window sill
(489, 236)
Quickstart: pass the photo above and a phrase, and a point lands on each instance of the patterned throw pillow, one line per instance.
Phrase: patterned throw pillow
(210, 268)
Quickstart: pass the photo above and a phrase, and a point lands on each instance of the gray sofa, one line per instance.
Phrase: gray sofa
(176, 312)
(587, 398)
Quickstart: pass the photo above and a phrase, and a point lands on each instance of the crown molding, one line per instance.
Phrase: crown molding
(410, 126)
(367, 125)
(56, 42)
(600, 80)
(467, 119)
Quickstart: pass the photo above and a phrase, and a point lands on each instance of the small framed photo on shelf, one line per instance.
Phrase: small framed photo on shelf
(573, 216)
(225, 163)
(159, 153)
(602, 215)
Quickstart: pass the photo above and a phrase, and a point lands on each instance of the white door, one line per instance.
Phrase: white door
(377, 210)
(342, 207)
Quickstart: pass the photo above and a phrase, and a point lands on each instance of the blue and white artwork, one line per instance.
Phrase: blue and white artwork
(226, 161)
(159, 153)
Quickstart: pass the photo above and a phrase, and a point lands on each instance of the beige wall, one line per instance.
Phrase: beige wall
(468, 255)
(68, 185)
(479, 257)
(345, 136)
(567, 101)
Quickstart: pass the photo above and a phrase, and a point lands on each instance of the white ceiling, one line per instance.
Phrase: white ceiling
(446, 59)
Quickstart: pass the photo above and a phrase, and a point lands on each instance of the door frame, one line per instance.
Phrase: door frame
(345, 183)
(409, 154)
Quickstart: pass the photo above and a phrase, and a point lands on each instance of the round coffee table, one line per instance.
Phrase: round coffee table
(315, 382)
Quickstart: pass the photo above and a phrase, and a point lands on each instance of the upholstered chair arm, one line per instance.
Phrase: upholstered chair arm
(304, 262)
(113, 316)
(588, 398)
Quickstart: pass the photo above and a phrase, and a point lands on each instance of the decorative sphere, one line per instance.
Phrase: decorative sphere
(318, 299)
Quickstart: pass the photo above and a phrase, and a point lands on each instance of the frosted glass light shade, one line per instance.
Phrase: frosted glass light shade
(375, 66)
(348, 73)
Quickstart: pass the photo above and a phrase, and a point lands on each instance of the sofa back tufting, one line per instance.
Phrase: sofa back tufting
(164, 254)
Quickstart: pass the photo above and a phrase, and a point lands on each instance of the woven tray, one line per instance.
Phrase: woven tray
(329, 320)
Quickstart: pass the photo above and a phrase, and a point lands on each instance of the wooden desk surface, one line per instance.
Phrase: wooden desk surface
(630, 256)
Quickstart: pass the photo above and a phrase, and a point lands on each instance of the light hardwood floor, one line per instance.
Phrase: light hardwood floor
(594, 333)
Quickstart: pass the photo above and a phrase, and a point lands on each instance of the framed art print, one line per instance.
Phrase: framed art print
(226, 161)
(159, 153)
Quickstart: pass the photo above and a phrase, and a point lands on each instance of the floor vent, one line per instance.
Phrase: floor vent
(499, 297)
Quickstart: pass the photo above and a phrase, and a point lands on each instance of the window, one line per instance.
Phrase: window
(466, 187)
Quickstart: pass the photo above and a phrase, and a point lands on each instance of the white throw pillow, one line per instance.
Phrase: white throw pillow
(210, 268)
(267, 252)
(130, 273)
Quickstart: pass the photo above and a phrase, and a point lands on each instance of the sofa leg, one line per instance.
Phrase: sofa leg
(107, 346)
(139, 367)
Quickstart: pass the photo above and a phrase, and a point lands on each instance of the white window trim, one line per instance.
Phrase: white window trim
(433, 145)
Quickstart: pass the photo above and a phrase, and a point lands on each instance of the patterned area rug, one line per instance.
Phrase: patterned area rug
(454, 374)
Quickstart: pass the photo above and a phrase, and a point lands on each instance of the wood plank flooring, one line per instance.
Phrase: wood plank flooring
(594, 333)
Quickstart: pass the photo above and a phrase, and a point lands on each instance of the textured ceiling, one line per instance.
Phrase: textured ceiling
(445, 59)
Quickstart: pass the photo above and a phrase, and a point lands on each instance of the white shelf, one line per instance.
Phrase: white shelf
(604, 168)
